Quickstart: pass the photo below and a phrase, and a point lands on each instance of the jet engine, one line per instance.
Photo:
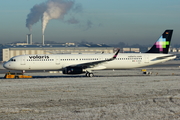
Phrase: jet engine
(72, 70)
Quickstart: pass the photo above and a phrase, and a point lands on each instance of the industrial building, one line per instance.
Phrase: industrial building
(9, 51)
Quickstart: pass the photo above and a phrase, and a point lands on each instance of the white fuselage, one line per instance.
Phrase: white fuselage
(60, 61)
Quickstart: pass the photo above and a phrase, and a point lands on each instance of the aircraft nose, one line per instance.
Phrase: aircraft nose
(6, 65)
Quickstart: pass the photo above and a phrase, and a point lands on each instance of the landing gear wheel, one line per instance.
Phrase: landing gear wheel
(89, 74)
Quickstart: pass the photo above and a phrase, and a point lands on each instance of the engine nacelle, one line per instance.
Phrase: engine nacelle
(72, 70)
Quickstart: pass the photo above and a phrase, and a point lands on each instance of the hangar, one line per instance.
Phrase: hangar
(13, 50)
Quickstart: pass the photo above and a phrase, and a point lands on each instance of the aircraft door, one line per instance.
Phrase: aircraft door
(57, 61)
(100, 58)
(146, 59)
(23, 61)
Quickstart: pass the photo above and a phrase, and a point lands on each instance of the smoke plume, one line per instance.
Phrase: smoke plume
(52, 9)
(55, 9)
(72, 21)
(35, 15)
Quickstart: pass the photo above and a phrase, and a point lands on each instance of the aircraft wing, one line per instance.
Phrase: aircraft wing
(95, 63)
(163, 57)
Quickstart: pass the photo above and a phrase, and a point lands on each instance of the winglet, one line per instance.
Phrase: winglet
(116, 54)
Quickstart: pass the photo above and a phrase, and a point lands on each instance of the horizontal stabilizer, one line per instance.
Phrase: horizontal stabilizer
(163, 57)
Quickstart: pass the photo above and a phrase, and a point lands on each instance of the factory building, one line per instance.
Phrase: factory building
(130, 50)
(8, 52)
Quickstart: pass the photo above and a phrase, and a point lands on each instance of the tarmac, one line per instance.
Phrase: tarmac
(110, 95)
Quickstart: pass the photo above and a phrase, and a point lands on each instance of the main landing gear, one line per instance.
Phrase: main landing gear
(89, 74)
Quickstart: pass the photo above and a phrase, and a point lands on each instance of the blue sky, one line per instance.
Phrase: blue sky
(100, 21)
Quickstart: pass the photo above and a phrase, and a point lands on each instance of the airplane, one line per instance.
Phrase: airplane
(87, 63)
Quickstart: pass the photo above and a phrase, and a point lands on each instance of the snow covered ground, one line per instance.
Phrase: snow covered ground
(117, 95)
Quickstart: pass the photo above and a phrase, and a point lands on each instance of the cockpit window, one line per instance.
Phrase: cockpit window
(12, 59)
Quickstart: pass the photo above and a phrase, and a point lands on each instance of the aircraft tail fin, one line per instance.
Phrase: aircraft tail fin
(162, 44)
